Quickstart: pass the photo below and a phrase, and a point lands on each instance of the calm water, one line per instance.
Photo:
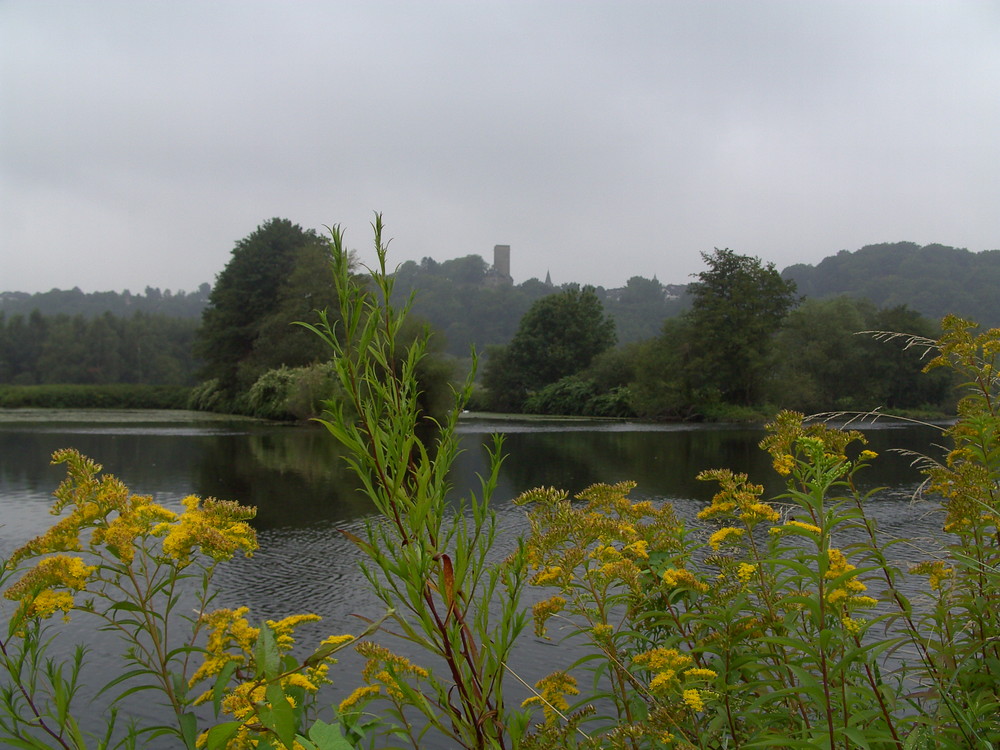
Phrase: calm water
(304, 494)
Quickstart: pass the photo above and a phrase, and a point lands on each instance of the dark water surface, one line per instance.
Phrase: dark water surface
(305, 494)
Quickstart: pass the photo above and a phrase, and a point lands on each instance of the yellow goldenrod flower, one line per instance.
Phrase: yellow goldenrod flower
(230, 638)
(547, 576)
(661, 659)
(360, 695)
(681, 578)
(784, 464)
(693, 698)
(336, 640)
(745, 571)
(217, 527)
(851, 625)
(723, 535)
(638, 549)
(543, 610)
(936, 571)
(663, 681)
(602, 631)
(48, 602)
(381, 655)
(759, 512)
(283, 629)
(836, 595)
(804, 526)
(553, 690)
(47, 586)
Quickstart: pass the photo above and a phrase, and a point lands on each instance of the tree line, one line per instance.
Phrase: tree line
(747, 344)
(153, 301)
(38, 349)
(740, 337)
(934, 279)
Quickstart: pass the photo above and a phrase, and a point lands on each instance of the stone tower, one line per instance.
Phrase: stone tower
(501, 260)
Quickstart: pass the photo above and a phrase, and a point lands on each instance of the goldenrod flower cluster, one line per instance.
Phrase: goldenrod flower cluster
(218, 528)
(847, 590)
(231, 639)
(553, 690)
(681, 578)
(47, 587)
(602, 542)
(119, 524)
(543, 610)
(936, 571)
(724, 535)
(737, 499)
(384, 674)
(791, 440)
(800, 525)
(745, 571)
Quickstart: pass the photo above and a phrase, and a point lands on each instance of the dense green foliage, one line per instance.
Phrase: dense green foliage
(260, 359)
(740, 352)
(276, 275)
(738, 304)
(935, 279)
(153, 301)
(824, 363)
(558, 336)
(114, 396)
(141, 349)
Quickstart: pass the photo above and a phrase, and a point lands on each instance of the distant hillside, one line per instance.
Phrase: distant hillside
(470, 305)
(76, 302)
(934, 280)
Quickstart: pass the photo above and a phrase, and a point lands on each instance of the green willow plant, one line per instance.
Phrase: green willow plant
(429, 559)
(144, 573)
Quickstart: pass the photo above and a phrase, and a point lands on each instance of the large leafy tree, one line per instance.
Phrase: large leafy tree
(558, 336)
(240, 329)
(737, 306)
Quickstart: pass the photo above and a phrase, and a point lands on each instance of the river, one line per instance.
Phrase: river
(304, 494)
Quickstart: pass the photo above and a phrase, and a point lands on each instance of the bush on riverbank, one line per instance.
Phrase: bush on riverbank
(113, 396)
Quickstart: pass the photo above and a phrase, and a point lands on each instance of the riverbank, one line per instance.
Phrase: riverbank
(108, 396)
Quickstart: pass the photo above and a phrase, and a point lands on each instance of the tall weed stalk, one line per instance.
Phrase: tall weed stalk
(431, 561)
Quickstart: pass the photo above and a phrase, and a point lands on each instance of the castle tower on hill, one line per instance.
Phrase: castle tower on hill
(499, 275)
(501, 259)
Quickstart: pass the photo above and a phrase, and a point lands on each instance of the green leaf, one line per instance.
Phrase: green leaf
(265, 654)
(282, 715)
(328, 737)
(189, 729)
(218, 736)
(220, 684)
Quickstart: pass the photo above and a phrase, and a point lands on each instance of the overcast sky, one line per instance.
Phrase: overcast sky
(600, 140)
